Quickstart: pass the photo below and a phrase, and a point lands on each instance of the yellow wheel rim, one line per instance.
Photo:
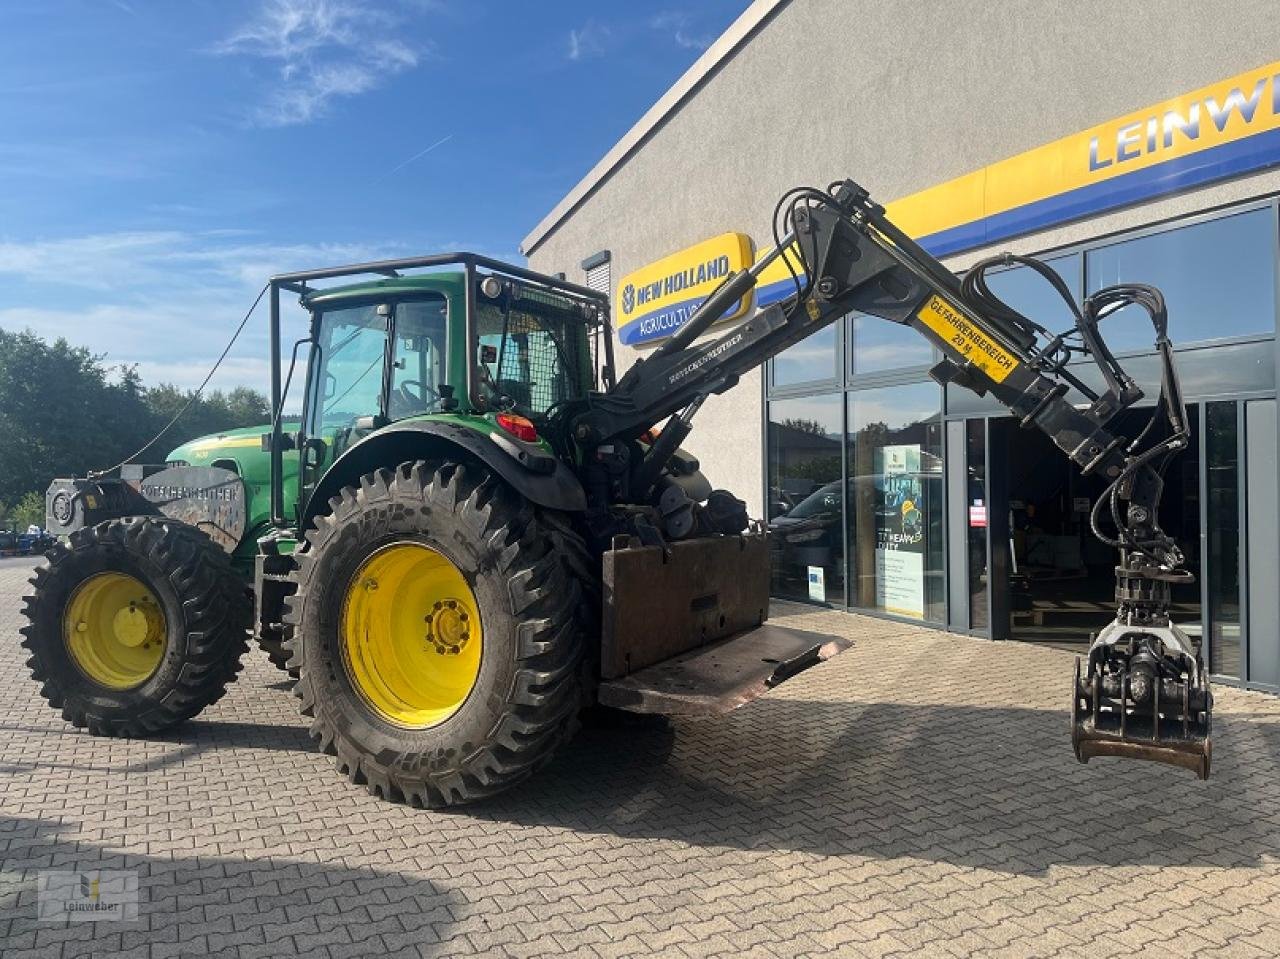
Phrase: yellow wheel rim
(115, 630)
(411, 636)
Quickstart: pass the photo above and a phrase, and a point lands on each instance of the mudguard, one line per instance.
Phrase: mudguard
(530, 470)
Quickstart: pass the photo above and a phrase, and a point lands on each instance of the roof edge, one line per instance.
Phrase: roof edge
(716, 54)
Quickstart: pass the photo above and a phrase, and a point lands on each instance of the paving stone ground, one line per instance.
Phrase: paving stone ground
(915, 796)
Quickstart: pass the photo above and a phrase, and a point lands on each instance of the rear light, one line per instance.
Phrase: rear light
(650, 436)
(518, 426)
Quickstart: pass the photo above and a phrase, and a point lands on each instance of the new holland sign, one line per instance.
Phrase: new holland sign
(656, 300)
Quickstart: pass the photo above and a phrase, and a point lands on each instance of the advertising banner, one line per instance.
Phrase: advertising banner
(899, 531)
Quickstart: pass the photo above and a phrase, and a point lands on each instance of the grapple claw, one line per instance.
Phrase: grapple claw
(1144, 695)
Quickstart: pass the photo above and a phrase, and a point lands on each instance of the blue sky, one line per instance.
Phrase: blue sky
(159, 159)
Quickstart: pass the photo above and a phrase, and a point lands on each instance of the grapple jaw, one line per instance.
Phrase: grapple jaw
(1144, 694)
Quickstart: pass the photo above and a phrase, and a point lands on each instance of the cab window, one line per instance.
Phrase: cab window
(418, 366)
(352, 354)
(533, 353)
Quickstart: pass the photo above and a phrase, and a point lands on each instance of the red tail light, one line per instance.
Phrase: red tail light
(518, 426)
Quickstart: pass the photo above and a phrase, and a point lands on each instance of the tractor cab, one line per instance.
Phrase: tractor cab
(446, 344)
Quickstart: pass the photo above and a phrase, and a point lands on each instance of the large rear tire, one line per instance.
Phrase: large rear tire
(135, 626)
(435, 627)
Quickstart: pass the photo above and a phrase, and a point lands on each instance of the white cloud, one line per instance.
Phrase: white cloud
(164, 300)
(589, 41)
(679, 25)
(167, 300)
(323, 50)
(132, 260)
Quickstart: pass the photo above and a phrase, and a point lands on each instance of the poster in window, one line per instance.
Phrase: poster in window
(900, 531)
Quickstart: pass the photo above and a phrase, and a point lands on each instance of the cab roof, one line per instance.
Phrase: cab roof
(444, 282)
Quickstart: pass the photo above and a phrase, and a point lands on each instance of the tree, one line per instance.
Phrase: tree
(28, 512)
(63, 413)
(59, 414)
(801, 425)
(211, 413)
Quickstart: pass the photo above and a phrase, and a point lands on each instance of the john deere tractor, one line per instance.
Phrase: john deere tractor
(475, 530)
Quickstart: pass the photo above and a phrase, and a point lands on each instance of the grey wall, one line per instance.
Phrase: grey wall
(899, 95)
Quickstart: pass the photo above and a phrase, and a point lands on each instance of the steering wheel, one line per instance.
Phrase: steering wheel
(423, 400)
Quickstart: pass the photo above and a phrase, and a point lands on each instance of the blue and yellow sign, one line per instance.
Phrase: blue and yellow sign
(1214, 133)
(656, 300)
(1219, 131)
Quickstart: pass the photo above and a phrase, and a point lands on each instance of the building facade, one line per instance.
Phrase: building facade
(1120, 142)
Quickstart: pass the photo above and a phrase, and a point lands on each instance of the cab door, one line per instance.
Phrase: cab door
(347, 386)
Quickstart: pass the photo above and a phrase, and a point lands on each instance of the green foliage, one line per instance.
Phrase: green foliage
(63, 413)
(819, 470)
(801, 425)
(28, 512)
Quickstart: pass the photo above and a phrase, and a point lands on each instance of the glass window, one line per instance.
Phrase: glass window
(1223, 560)
(533, 352)
(1034, 297)
(419, 364)
(976, 521)
(1218, 279)
(353, 346)
(806, 503)
(895, 505)
(812, 359)
(879, 344)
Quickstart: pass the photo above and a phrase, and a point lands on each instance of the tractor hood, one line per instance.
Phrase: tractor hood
(238, 444)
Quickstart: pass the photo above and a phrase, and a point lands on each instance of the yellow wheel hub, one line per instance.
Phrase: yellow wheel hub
(115, 630)
(410, 635)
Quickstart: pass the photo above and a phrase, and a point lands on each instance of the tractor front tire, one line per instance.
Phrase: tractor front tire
(135, 626)
(436, 631)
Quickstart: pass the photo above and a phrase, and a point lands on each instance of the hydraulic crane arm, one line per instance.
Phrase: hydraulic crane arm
(1145, 693)
(861, 262)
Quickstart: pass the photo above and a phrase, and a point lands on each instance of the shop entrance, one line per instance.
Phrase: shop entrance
(1061, 577)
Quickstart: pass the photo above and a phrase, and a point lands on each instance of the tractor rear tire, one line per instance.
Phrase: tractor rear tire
(371, 657)
(135, 626)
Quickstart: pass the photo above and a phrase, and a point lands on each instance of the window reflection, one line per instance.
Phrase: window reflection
(895, 510)
(1034, 296)
(806, 507)
(1218, 278)
(879, 344)
(812, 359)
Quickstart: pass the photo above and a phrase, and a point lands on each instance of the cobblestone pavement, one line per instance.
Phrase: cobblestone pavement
(916, 796)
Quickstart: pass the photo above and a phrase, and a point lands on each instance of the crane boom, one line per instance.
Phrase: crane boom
(1143, 691)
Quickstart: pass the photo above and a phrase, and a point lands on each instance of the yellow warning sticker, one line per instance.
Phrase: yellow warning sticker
(966, 339)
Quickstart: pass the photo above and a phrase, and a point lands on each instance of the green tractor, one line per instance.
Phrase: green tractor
(471, 534)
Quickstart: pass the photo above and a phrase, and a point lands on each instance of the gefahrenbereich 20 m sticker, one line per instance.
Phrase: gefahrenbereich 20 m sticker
(966, 339)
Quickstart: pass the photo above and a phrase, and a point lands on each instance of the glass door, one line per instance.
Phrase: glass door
(1222, 537)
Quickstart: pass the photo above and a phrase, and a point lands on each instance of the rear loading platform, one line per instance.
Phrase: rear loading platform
(684, 629)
